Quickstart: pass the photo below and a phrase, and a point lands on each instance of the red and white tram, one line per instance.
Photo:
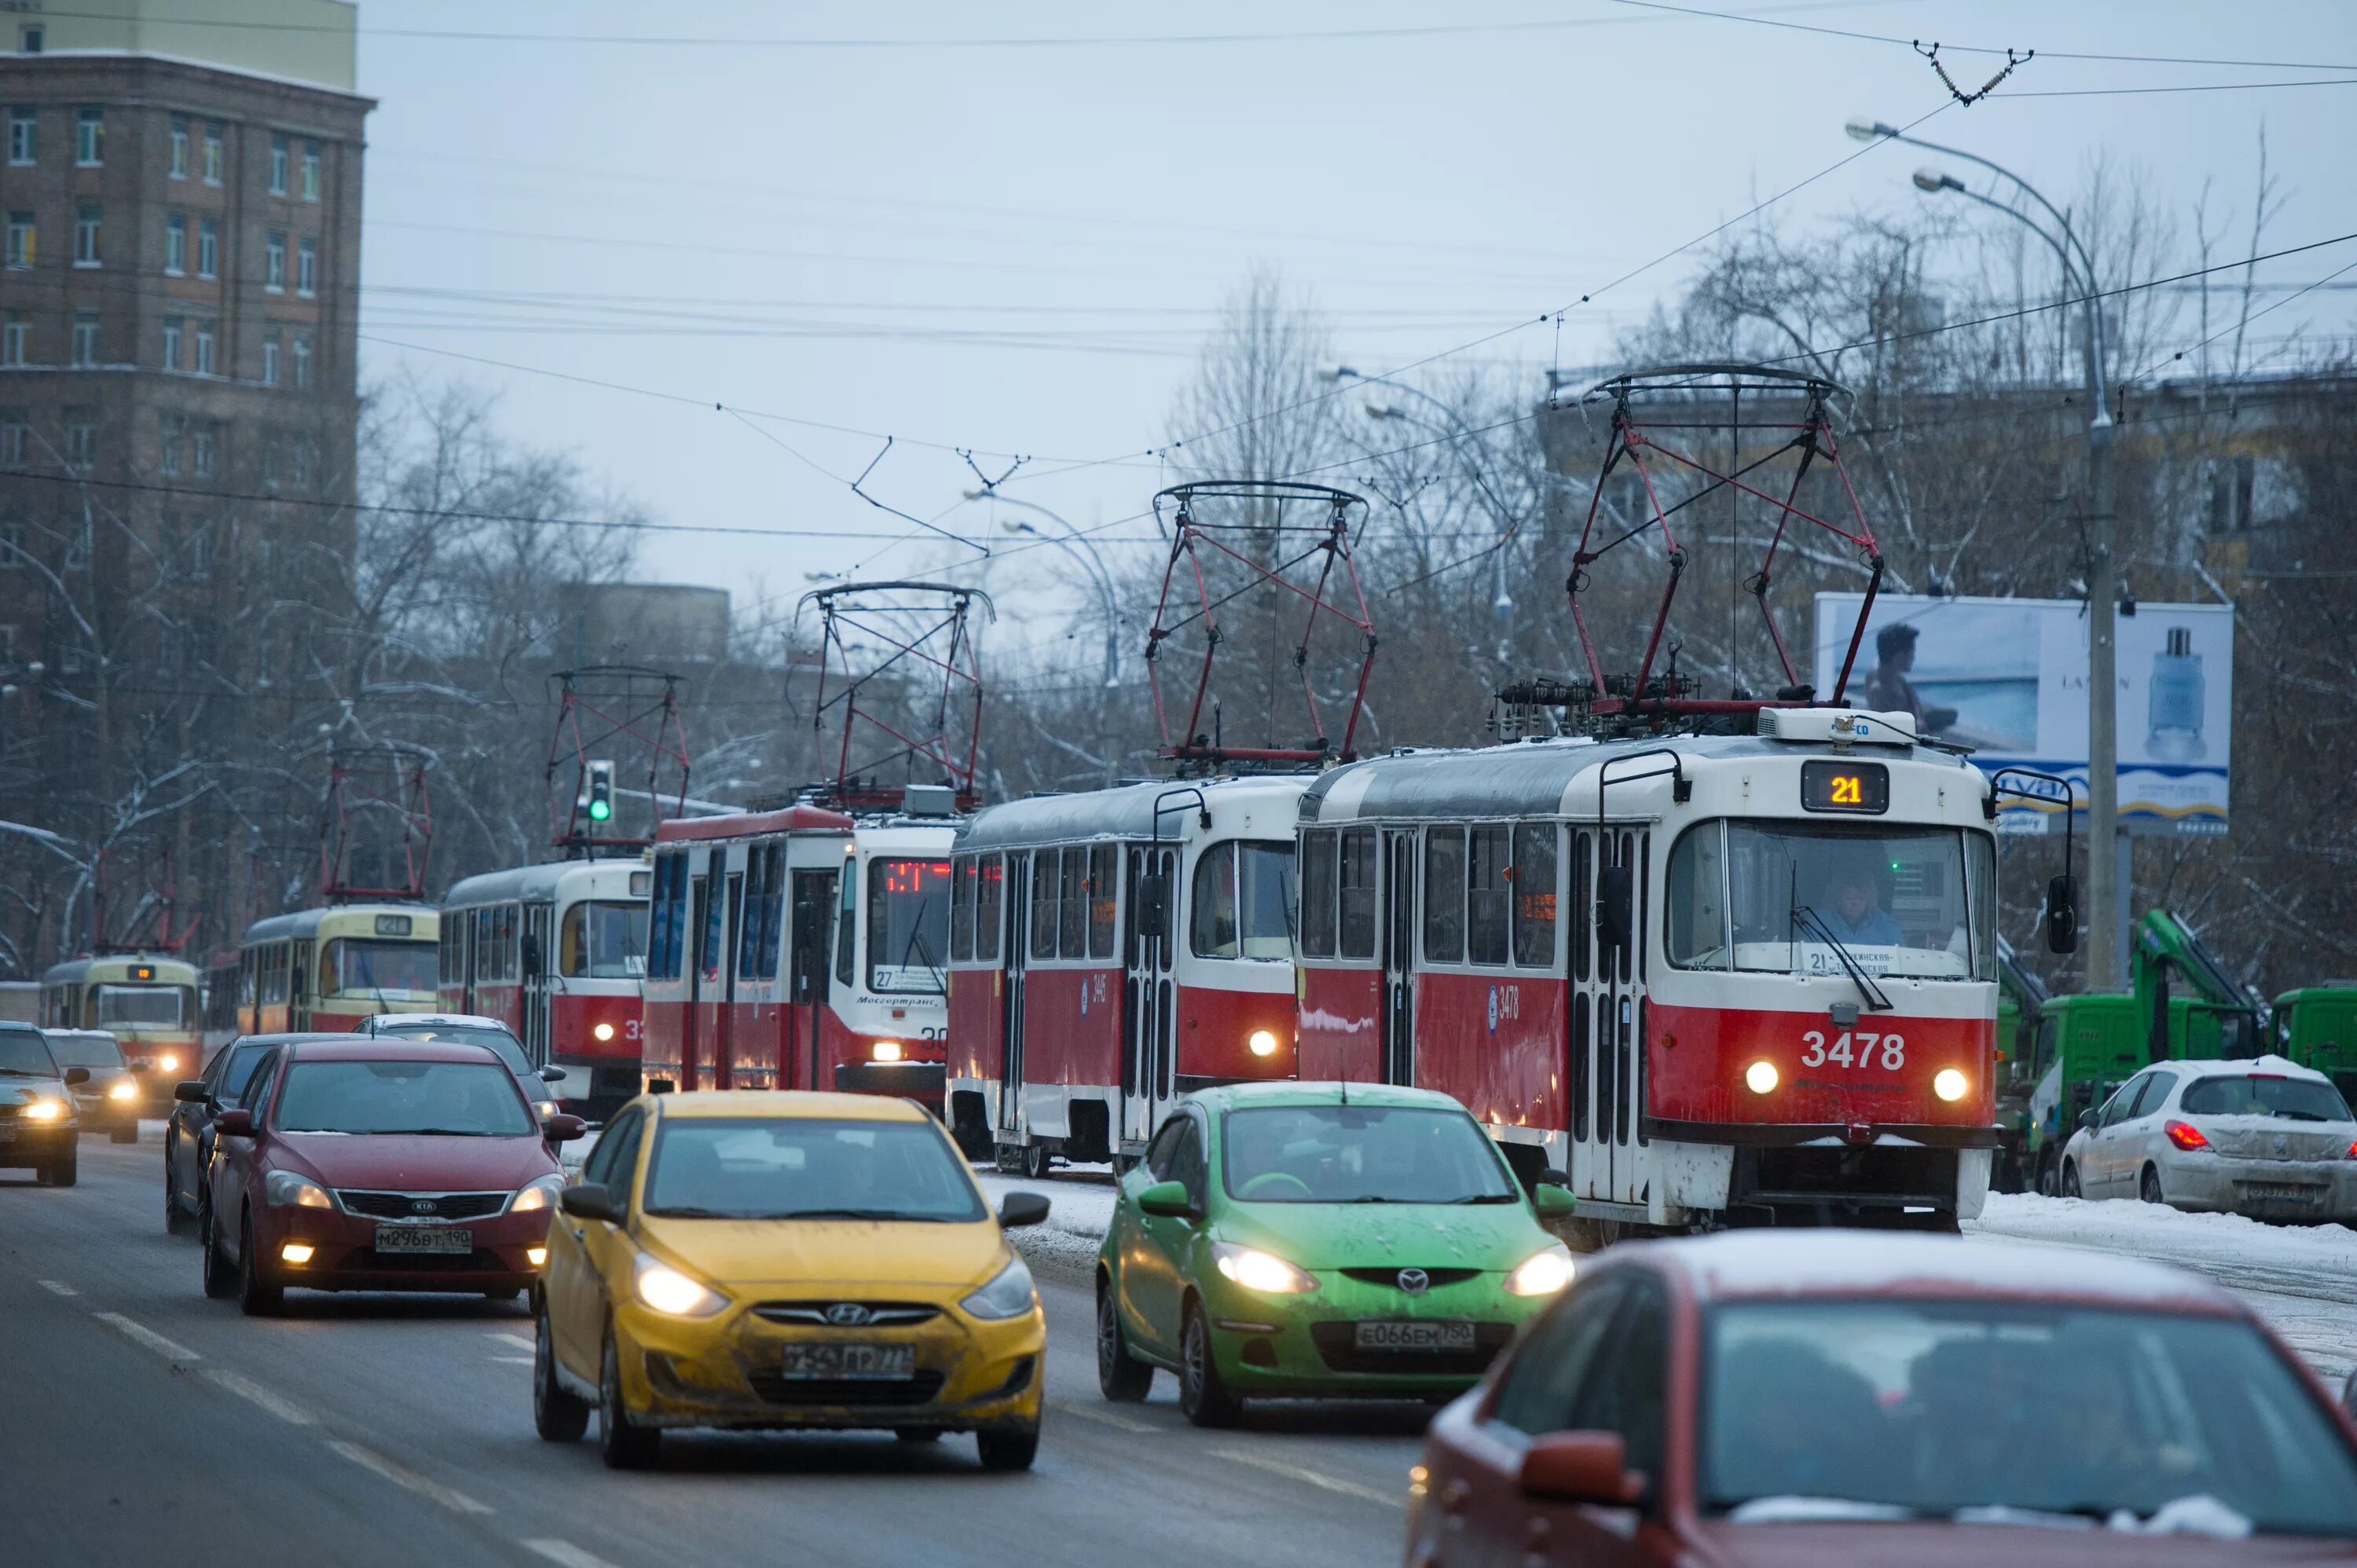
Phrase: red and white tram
(555, 952)
(1713, 979)
(1113, 950)
(799, 948)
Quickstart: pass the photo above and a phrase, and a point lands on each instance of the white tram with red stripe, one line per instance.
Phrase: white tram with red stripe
(1713, 979)
(1112, 950)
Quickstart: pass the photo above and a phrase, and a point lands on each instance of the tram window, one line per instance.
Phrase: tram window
(847, 928)
(667, 916)
(989, 883)
(608, 940)
(1104, 864)
(1073, 910)
(138, 1006)
(1697, 934)
(774, 913)
(1534, 893)
(1317, 894)
(1358, 879)
(962, 909)
(365, 964)
(1582, 907)
(1241, 902)
(1980, 891)
(1444, 894)
(1485, 896)
(273, 967)
(752, 920)
(1045, 879)
(907, 925)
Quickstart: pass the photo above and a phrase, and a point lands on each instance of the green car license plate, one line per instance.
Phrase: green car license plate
(437, 1238)
(834, 1363)
(1412, 1335)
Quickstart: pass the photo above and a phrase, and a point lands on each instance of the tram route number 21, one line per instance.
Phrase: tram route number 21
(1853, 1049)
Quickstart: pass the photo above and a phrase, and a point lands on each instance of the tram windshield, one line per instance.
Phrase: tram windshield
(1786, 897)
(139, 1008)
(907, 925)
(1243, 901)
(355, 964)
(604, 940)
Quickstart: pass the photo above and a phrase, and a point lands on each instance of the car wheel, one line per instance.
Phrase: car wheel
(626, 1446)
(558, 1415)
(2148, 1186)
(1121, 1377)
(2070, 1179)
(219, 1282)
(256, 1297)
(1203, 1398)
(176, 1219)
(1036, 1161)
(1007, 1449)
(2049, 1182)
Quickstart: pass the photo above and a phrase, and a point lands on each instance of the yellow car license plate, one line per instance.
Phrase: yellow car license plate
(844, 1362)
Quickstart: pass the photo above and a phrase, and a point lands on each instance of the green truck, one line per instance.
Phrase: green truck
(2316, 1027)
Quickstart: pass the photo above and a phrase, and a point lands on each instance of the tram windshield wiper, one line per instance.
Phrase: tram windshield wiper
(1808, 919)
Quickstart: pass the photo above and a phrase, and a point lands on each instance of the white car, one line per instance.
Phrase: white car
(2267, 1138)
(474, 1029)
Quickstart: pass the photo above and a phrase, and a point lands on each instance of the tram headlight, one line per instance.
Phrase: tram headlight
(886, 1051)
(603, 1032)
(1262, 1042)
(168, 1063)
(1759, 1077)
(1951, 1085)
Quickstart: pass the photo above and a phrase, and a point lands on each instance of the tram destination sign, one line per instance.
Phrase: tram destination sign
(2008, 677)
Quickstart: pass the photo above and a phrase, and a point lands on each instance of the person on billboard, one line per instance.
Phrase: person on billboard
(1888, 689)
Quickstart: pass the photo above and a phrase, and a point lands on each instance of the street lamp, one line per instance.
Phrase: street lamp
(1078, 545)
(2108, 867)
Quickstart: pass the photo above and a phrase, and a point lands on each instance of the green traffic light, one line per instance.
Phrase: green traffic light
(599, 811)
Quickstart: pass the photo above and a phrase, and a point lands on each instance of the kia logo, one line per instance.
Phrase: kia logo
(1416, 1281)
(846, 1315)
(424, 1206)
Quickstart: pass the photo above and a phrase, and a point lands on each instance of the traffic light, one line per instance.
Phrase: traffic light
(602, 792)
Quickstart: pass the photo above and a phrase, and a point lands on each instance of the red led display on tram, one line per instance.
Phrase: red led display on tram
(916, 875)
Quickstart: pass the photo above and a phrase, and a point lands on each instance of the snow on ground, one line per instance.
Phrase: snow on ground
(1080, 1212)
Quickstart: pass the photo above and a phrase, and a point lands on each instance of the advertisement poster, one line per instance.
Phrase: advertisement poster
(2008, 678)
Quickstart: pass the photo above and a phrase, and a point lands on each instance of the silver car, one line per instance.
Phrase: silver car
(2265, 1138)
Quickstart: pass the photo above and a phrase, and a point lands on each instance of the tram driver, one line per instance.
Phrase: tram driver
(1856, 914)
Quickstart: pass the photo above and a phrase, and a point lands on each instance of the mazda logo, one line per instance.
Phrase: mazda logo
(846, 1315)
(424, 1206)
(1416, 1281)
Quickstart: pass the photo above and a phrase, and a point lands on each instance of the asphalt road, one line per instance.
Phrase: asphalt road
(142, 1424)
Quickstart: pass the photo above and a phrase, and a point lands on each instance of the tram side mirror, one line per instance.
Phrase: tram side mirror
(2062, 914)
(535, 962)
(1154, 905)
(1615, 901)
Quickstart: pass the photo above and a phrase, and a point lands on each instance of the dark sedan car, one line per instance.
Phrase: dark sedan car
(110, 1098)
(380, 1165)
(189, 1135)
(38, 1126)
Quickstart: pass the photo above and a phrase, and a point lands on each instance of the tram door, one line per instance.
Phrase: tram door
(1149, 1065)
(723, 1043)
(1016, 944)
(1606, 1045)
(299, 976)
(1399, 956)
(699, 910)
(539, 940)
(807, 978)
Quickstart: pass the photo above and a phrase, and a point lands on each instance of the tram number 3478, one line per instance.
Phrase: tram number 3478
(1854, 1049)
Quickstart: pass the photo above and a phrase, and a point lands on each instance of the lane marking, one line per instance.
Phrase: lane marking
(402, 1476)
(517, 1340)
(57, 1287)
(246, 1388)
(566, 1553)
(142, 1334)
(1119, 1423)
(1312, 1478)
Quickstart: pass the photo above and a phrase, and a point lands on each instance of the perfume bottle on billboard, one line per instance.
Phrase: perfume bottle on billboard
(2175, 701)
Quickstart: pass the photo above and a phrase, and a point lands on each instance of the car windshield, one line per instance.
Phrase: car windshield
(1353, 1154)
(908, 924)
(501, 1043)
(1243, 901)
(2261, 1094)
(147, 1006)
(1950, 1408)
(796, 1167)
(460, 1099)
(354, 965)
(24, 1053)
(1793, 897)
(605, 940)
(95, 1052)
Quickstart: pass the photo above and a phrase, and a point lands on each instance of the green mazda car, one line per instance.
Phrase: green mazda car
(1290, 1241)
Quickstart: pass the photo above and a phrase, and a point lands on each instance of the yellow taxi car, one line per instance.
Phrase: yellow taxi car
(759, 1260)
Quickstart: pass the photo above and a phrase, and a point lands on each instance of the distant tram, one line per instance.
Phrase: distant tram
(1711, 979)
(148, 1002)
(556, 953)
(1110, 951)
(327, 969)
(799, 949)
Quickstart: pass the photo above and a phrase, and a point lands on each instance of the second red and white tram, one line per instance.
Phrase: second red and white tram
(1712, 979)
(555, 952)
(1113, 950)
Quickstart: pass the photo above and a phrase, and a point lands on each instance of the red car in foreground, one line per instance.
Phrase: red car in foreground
(379, 1165)
(1772, 1397)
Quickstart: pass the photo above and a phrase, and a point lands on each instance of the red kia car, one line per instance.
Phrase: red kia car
(1772, 1397)
(379, 1165)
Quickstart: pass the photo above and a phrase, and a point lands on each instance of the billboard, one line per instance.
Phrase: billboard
(2008, 678)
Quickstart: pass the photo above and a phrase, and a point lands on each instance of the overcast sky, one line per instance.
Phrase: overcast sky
(1017, 248)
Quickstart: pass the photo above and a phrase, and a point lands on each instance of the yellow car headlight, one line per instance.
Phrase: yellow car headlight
(1262, 1272)
(665, 1290)
(44, 1111)
(1541, 1273)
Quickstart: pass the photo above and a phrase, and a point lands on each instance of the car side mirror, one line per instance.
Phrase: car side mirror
(561, 1128)
(590, 1200)
(1167, 1199)
(2062, 914)
(2090, 1117)
(1154, 905)
(1615, 901)
(1581, 1467)
(189, 1091)
(552, 1074)
(1553, 1199)
(1021, 1208)
(76, 1075)
(233, 1124)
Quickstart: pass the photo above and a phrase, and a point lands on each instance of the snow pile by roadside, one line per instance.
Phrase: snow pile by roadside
(2155, 1231)
(1079, 1214)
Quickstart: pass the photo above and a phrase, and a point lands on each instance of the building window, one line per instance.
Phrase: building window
(270, 462)
(85, 338)
(78, 546)
(179, 146)
(81, 442)
(277, 165)
(23, 137)
(15, 438)
(90, 138)
(204, 348)
(172, 342)
(212, 152)
(12, 339)
(12, 555)
(274, 269)
(302, 461)
(200, 550)
(302, 361)
(175, 427)
(89, 237)
(30, 39)
(310, 171)
(201, 448)
(307, 269)
(270, 358)
(176, 245)
(207, 248)
(23, 239)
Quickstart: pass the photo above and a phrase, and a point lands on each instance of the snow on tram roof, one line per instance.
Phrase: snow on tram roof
(1837, 1263)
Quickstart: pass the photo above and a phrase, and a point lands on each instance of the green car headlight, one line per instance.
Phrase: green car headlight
(1257, 1271)
(1541, 1273)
